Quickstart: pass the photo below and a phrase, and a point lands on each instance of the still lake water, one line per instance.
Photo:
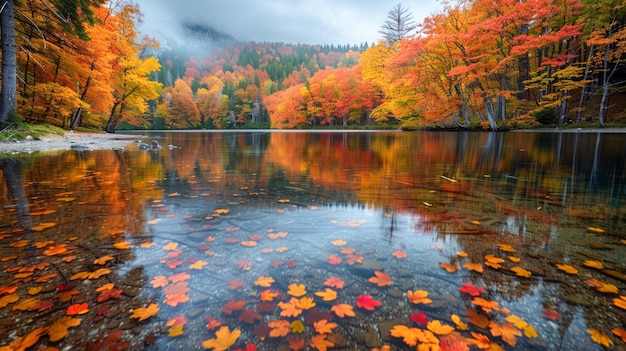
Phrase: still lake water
(270, 233)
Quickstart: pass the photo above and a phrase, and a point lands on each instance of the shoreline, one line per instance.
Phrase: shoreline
(101, 141)
(70, 141)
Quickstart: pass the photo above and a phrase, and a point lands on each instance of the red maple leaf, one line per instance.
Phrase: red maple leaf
(471, 289)
(367, 302)
(419, 318)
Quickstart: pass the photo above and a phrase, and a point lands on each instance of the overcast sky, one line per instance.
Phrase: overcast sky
(290, 21)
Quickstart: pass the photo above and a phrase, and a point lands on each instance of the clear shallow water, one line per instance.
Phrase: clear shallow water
(186, 226)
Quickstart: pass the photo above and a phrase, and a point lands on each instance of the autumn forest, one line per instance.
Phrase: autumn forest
(475, 64)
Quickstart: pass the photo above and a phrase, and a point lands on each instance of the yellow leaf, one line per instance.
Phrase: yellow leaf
(122, 245)
(306, 303)
(339, 243)
(462, 254)
(436, 327)
(265, 282)
(459, 324)
(418, 296)
(144, 313)
(223, 340)
(530, 332)
(176, 331)
(198, 264)
(5, 300)
(171, 246)
(517, 321)
(327, 294)
(513, 258)
(567, 268)
(594, 264)
(297, 326)
(595, 230)
(600, 338)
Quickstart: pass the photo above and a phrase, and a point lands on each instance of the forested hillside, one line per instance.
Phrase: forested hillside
(488, 64)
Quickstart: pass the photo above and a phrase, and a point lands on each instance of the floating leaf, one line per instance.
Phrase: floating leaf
(594, 264)
(419, 296)
(327, 294)
(103, 260)
(470, 289)
(297, 326)
(480, 340)
(620, 302)
(268, 295)
(290, 308)
(175, 299)
(530, 332)
(334, 282)
(620, 332)
(59, 329)
(399, 254)
(342, 310)
(418, 318)
(506, 248)
(179, 277)
(521, 272)
(595, 230)
(567, 268)
(334, 260)
(297, 290)
(198, 264)
(144, 313)
(367, 302)
(122, 245)
(320, 343)
(27, 304)
(248, 316)
(513, 259)
(159, 281)
(516, 321)
(279, 328)
(306, 303)
(324, 327)
(7, 299)
(477, 319)
(339, 243)
(459, 324)
(265, 282)
(26, 341)
(476, 267)
(43, 226)
(77, 308)
(233, 305)
(486, 305)
(600, 338)
(223, 340)
(235, 284)
(550, 314)
(381, 279)
(55, 250)
(438, 328)
(449, 267)
(506, 331)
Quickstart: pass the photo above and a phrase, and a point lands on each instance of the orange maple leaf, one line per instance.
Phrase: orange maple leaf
(291, 308)
(477, 319)
(521, 272)
(268, 295)
(297, 290)
(327, 294)
(410, 336)
(600, 338)
(485, 304)
(476, 267)
(265, 282)
(320, 343)
(175, 299)
(198, 264)
(103, 260)
(381, 279)
(144, 313)
(223, 340)
(449, 267)
(179, 277)
(342, 310)
(334, 260)
(399, 254)
(323, 327)
(506, 331)
(418, 296)
(279, 328)
(480, 340)
(306, 303)
(334, 282)
(436, 327)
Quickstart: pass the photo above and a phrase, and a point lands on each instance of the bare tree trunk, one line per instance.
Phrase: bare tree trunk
(491, 115)
(583, 91)
(8, 102)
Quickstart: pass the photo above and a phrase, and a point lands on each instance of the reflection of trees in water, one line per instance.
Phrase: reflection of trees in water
(12, 172)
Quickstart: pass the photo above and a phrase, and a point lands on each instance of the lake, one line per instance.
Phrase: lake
(276, 240)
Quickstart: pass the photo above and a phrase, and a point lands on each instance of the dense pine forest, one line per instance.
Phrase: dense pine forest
(482, 64)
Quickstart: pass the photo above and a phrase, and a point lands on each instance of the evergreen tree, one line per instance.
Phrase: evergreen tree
(398, 25)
